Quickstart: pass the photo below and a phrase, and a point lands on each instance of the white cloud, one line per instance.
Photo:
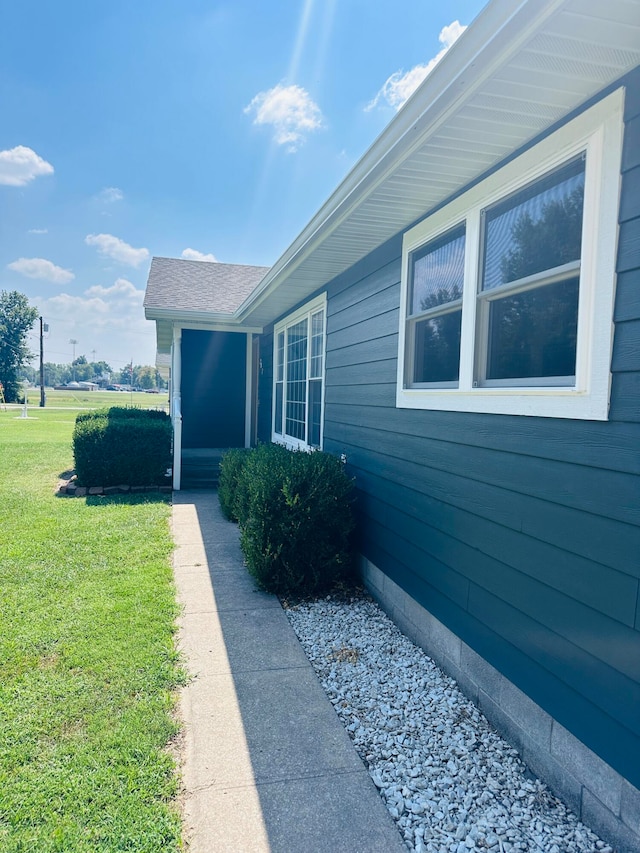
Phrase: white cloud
(38, 231)
(109, 195)
(122, 288)
(41, 268)
(195, 255)
(108, 319)
(20, 165)
(112, 247)
(290, 111)
(401, 85)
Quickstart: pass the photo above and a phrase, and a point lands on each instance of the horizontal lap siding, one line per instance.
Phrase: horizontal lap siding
(625, 364)
(521, 534)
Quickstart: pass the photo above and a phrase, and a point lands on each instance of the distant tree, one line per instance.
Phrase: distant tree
(53, 374)
(82, 369)
(16, 319)
(146, 377)
(127, 375)
(100, 371)
(29, 373)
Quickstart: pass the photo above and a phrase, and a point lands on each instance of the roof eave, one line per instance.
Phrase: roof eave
(167, 319)
(176, 315)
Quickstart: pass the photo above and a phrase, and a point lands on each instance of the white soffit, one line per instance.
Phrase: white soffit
(515, 72)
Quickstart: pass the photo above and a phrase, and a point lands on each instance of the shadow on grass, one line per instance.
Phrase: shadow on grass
(137, 495)
(126, 498)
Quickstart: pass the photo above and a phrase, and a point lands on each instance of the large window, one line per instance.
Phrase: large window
(507, 292)
(299, 376)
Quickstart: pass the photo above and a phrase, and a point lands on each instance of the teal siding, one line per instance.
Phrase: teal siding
(521, 534)
(265, 387)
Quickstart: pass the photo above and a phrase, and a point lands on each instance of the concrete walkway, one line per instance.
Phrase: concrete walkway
(268, 765)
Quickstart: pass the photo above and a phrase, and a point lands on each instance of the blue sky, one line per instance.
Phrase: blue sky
(195, 129)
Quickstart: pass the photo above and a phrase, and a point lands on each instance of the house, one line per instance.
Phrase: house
(461, 319)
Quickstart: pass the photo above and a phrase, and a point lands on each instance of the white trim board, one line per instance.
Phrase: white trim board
(598, 131)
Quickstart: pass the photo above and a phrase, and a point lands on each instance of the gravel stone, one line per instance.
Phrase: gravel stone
(450, 782)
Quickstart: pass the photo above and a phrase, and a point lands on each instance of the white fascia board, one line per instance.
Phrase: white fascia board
(496, 34)
(200, 319)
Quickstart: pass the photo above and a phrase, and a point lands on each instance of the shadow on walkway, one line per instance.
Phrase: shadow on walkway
(268, 765)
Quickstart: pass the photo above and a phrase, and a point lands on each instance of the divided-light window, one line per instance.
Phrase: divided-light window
(299, 377)
(507, 292)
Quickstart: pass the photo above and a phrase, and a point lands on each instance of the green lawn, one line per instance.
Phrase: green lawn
(87, 663)
(96, 399)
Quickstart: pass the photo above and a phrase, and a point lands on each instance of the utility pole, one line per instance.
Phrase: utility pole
(41, 364)
(73, 342)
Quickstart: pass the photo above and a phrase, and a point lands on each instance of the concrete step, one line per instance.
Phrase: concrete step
(200, 468)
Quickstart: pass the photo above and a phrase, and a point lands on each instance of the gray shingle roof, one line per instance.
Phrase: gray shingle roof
(178, 285)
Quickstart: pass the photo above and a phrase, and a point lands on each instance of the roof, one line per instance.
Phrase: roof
(521, 67)
(189, 287)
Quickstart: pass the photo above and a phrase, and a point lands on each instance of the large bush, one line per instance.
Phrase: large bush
(122, 446)
(296, 520)
(231, 466)
(123, 413)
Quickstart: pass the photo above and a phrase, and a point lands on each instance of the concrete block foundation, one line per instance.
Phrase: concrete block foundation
(600, 796)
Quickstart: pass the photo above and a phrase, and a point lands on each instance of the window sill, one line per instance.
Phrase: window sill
(532, 402)
(292, 443)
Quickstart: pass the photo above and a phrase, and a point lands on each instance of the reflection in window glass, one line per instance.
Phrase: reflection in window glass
(279, 383)
(437, 272)
(533, 333)
(298, 399)
(317, 340)
(296, 408)
(315, 412)
(437, 348)
(280, 358)
(538, 229)
(278, 405)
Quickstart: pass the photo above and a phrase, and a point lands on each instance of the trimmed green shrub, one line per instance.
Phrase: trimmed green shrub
(123, 412)
(111, 448)
(265, 457)
(296, 520)
(231, 466)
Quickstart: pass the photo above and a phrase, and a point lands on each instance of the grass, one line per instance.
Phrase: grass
(87, 662)
(96, 399)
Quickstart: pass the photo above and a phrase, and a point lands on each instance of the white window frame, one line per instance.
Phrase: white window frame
(598, 132)
(305, 312)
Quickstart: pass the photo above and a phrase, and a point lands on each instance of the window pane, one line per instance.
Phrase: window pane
(437, 272)
(533, 333)
(280, 358)
(536, 230)
(296, 380)
(278, 418)
(317, 341)
(315, 411)
(437, 348)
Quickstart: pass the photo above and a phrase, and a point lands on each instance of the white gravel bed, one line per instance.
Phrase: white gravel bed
(451, 783)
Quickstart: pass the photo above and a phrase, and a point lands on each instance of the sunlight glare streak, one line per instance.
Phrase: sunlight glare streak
(303, 28)
(327, 12)
(326, 28)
